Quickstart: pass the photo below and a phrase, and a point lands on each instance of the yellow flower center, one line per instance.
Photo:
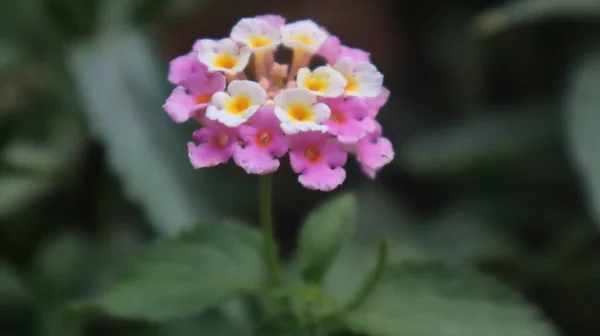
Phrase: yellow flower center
(352, 85)
(263, 138)
(238, 105)
(224, 61)
(303, 39)
(299, 113)
(338, 117)
(316, 83)
(312, 154)
(259, 41)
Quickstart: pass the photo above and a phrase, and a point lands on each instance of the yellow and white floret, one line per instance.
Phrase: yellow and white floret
(323, 81)
(238, 104)
(298, 111)
(224, 55)
(363, 78)
(257, 34)
(303, 35)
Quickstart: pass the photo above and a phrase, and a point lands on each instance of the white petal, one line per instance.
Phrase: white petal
(245, 87)
(321, 112)
(243, 30)
(282, 115)
(369, 79)
(249, 112)
(295, 96)
(227, 46)
(226, 118)
(206, 52)
(212, 112)
(303, 75)
(242, 61)
(220, 99)
(307, 126)
(345, 65)
(246, 29)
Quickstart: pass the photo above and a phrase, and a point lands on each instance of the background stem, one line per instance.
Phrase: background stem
(266, 222)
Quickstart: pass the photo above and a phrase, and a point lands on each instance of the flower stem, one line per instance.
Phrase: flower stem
(266, 222)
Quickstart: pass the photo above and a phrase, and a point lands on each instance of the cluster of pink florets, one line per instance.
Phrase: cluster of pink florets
(318, 116)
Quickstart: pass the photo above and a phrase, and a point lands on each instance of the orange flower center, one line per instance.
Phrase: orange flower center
(316, 83)
(263, 138)
(312, 154)
(338, 117)
(202, 98)
(352, 85)
(238, 105)
(303, 39)
(221, 140)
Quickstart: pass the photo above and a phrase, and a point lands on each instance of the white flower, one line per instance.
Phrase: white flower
(223, 55)
(323, 81)
(363, 78)
(257, 34)
(238, 104)
(298, 111)
(305, 35)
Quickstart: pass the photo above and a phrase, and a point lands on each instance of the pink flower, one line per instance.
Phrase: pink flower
(374, 151)
(264, 142)
(217, 143)
(194, 95)
(356, 54)
(330, 49)
(319, 159)
(375, 104)
(348, 120)
(183, 67)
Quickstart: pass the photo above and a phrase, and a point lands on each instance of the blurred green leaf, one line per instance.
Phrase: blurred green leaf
(184, 277)
(482, 139)
(323, 234)
(13, 291)
(212, 323)
(461, 231)
(18, 192)
(62, 265)
(123, 90)
(583, 123)
(526, 11)
(431, 299)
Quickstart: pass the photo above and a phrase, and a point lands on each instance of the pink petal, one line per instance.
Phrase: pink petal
(204, 82)
(179, 105)
(349, 132)
(334, 153)
(207, 155)
(274, 20)
(322, 177)
(265, 120)
(375, 104)
(357, 55)
(353, 110)
(255, 160)
(330, 49)
(182, 67)
(374, 153)
(370, 172)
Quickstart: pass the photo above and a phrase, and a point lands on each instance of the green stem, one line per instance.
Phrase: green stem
(266, 223)
(373, 279)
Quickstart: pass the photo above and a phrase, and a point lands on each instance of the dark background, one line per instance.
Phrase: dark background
(494, 115)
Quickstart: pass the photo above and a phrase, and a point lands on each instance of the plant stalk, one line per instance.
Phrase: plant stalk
(266, 222)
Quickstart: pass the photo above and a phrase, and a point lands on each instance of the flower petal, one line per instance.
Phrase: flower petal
(179, 105)
(207, 155)
(322, 177)
(255, 160)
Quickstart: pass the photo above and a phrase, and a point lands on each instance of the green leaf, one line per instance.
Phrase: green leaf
(13, 291)
(479, 140)
(527, 11)
(213, 323)
(583, 123)
(432, 299)
(323, 234)
(123, 89)
(184, 277)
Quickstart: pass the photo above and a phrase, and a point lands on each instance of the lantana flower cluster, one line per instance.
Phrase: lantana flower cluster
(255, 110)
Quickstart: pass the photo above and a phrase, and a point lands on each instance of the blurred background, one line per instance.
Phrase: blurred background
(494, 115)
